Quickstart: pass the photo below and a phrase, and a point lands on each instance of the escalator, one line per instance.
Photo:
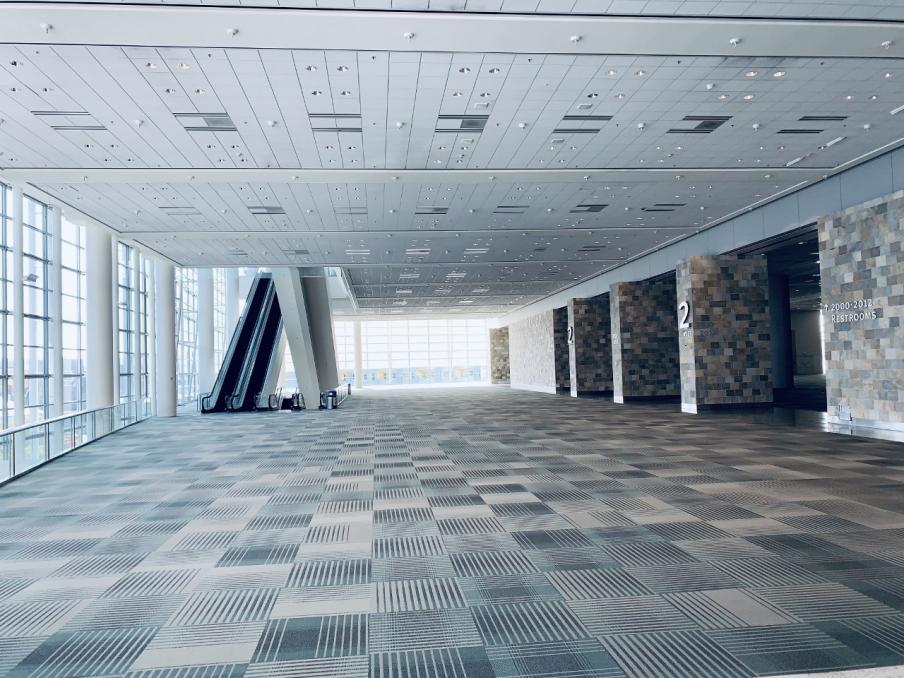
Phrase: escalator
(251, 353)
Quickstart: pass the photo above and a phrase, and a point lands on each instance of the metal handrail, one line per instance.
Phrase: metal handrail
(254, 344)
(54, 437)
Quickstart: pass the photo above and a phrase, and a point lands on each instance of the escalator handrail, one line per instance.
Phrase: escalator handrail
(254, 345)
(233, 346)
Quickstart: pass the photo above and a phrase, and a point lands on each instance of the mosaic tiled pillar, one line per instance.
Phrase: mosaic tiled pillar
(532, 353)
(560, 335)
(499, 355)
(644, 340)
(723, 316)
(861, 259)
(590, 348)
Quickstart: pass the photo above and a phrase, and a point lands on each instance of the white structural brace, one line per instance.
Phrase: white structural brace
(290, 293)
(288, 28)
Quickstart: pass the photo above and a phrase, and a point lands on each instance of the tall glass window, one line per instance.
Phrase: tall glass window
(186, 335)
(344, 336)
(144, 281)
(74, 313)
(126, 322)
(6, 271)
(219, 315)
(36, 251)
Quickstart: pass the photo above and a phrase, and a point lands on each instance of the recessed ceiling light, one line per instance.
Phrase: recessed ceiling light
(611, 71)
(312, 67)
(345, 93)
(640, 73)
(778, 74)
(593, 95)
(873, 97)
(848, 97)
(485, 95)
(316, 93)
(723, 97)
(494, 70)
(751, 74)
(200, 91)
(888, 75)
(151, 65)
(619, 96)
(464, 69)
(747, 97)
(342, 69)
(184, 66)
(456, 94)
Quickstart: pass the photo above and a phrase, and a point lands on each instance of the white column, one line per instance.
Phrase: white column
(102, 343)
(56, 312)
(207, 367)
(152, 334)
(18, 301)
(136, 325)
(166, 338)
(232, 301)
(320, 320)
(359, 356)
(114, 296)
(290, 293)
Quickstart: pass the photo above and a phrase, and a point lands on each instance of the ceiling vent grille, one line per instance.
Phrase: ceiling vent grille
(296, 253)
(822, 118)
(181, 211)
(414, 252)
(511, 209)
(706, 124)
(812, 130)
(70, 121)
(588, 208)
(265, 210)
(431, 210)
(564, 129)
(345, 211)
(462, 123)
(206, 122)
(590, 248)
(664, 207)
(335, 122)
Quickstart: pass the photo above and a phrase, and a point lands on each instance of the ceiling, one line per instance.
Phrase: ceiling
(450, 181)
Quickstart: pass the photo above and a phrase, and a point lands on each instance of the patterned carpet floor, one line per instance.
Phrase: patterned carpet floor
(456, 533)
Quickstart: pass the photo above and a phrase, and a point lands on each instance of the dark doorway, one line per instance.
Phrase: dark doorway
(795, 299)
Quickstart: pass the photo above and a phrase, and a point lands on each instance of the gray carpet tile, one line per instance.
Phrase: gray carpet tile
(460, 533)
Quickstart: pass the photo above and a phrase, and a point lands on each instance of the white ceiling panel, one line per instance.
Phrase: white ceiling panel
(441, 181)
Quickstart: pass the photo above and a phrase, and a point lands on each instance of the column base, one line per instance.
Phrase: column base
(649, 399)
(696, 408)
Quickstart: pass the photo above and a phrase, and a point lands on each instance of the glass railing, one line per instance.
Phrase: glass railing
(25, 447)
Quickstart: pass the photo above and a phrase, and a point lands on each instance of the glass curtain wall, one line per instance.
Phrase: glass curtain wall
(423, 351)
(186, 335)
(74, 314)
(36, 281)
(144, 334)
(344, 337)
(6, 294)
(219, 316)
(126, 321)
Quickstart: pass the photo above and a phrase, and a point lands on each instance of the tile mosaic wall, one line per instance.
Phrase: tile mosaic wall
(531, 353)
(560, 336)
(861, 252)
(590, 351)
(644, 339)
(499, 355)
(725, 348)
